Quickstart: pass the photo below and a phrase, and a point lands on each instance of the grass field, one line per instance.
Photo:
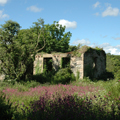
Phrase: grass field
(81, 99)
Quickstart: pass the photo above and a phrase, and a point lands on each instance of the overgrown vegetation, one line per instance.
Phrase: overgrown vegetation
(63, 76)
(19, 47)
(42, 96)
(97, 100)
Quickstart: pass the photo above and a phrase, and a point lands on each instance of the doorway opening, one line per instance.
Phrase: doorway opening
(47, 63)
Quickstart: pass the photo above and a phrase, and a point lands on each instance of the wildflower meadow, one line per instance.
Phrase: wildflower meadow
(80, 99)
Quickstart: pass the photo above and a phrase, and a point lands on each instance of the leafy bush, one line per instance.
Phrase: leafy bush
(63, 76)
(32, 84)
(44, 77)
(117, 75)
(4, 84)
(6, 111)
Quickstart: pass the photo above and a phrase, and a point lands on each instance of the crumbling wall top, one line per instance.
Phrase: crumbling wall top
(77, 53)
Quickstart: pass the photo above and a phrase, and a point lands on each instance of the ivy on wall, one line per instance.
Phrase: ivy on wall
(88, 71)
(37, 68)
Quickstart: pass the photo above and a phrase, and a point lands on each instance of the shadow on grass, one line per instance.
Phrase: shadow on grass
(48, 77)
(69, 108)
(103, 77)
(6, 112)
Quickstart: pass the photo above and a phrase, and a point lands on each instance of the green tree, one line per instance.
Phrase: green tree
(21, 46)
(7, 47)
(56, 40)
(18, 50)
(73, 48)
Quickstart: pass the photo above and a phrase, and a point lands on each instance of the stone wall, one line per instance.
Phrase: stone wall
(2, 76)
(94, 63)
(87, 61)
(90, 62)
(76, 63)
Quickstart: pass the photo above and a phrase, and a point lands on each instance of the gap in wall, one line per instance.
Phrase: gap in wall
(48, 63)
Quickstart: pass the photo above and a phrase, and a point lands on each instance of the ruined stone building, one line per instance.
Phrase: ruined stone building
(87, 61)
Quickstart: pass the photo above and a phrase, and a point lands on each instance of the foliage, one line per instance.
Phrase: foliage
(18, 50)
(72, 106)
(7, 33)
(45, 76)
(6, 111)
(64, 76)
(113, 65)
(77, 77)
(117, 75)
(74, 48)
(21, 46)
(18, 67)
(55, 39)
(37, 68)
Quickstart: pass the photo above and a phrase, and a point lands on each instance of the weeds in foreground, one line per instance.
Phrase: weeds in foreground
(80, 99)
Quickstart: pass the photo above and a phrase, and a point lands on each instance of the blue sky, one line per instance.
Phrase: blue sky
(92, 23)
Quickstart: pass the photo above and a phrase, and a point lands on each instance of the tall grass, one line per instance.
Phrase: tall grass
(80, 99)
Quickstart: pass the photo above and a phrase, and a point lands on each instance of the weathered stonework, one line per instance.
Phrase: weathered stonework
(87, 61)
(2, 76)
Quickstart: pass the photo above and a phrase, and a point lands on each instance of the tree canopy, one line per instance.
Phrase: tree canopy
(19, 47)
(17, 51)
(56, 39)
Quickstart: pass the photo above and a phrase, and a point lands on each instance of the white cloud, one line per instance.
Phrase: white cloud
(67, 23)
(2, 2)
(110, 12)
(118, 46)
(96, 4)
(83, 42)
(2, 16)
(114, 51)
(34, 9)
(106, 46)
(110, 49)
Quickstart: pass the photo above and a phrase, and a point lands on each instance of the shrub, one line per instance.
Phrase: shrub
(6, 111)
(117, 75)
(32, 84)
(63, 76)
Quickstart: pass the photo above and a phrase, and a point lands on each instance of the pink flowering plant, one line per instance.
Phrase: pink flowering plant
(81, 99)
